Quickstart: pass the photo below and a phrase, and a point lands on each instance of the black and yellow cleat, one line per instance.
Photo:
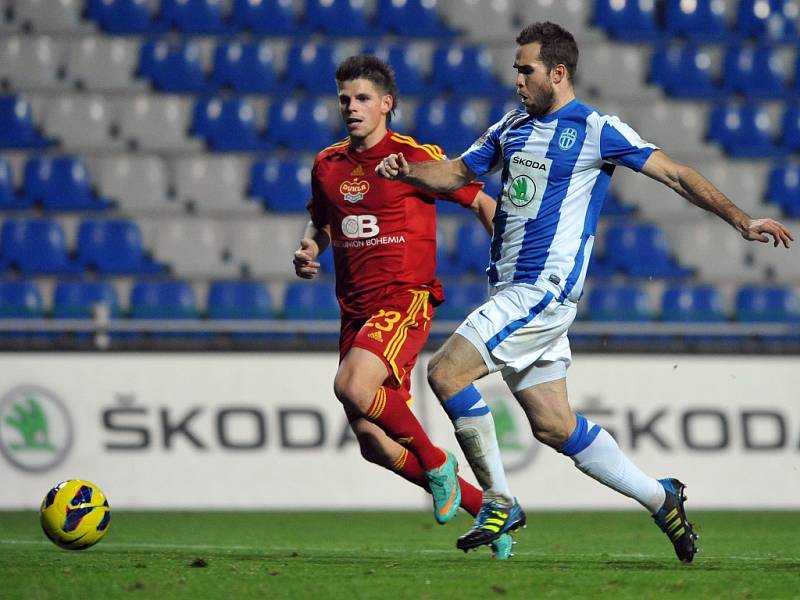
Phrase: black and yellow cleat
(492, 521)
(671, 519)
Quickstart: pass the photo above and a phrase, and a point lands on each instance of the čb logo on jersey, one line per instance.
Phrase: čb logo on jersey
(567, 138)
(353, 191)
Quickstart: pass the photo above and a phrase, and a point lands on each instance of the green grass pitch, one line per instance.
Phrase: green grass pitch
(388, 556)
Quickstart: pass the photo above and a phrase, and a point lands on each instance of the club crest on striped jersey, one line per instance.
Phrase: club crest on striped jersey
(355, 190)
(567, 138)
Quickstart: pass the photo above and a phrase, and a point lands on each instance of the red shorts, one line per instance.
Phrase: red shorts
(396, 334)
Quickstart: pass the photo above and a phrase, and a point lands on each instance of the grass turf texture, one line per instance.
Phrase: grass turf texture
(324, 556)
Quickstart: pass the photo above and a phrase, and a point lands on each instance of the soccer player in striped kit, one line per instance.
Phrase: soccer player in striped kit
(383, 235)
(557, 156)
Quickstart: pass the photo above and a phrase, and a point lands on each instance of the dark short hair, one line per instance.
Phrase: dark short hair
(558, 45)
(371, 68)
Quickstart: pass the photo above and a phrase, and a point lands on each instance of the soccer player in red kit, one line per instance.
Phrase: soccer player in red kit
(383, 235)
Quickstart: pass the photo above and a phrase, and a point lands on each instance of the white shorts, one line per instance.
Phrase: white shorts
(522, 332)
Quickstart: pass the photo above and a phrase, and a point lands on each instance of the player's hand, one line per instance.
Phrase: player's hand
(394, 166)
(305, 266)
(760, 230)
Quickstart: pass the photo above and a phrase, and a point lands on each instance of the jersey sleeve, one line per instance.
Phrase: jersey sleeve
(621, 145)
(485, 153)
(316, 206)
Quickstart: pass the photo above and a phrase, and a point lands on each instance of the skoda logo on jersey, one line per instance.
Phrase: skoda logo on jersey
(567, 138)
(521, 191)
(353, 191)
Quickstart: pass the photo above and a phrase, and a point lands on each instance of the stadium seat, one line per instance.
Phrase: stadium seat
(684, 71)
(36, 246)
(704, 20)
(461, 299)
(300, 124)
(17, 129)
(150, 122)
(790, 128)
(601, 267)
(163, 300)
(81, 122)
(48, 16)
(783, 189)
(452, 124)
(283, 184)
(114, 247)
(336, 17)
(611, 302)
(228, 124)
(172, 66)
(271, 17)
(261, 246)
(20, 300)
(137, 183)
(122, 16)
(692, 304)
(743, 130)
(239, 300)
(757, 72)
(195, 248)
(632, 20)
(406, 61)
(417, 18)
(61, 183)
(472, 246)
(311, 66)
(245, 67)
(212, 184)
(310, 300)
(193, 16)
(773, 20)
(465, 69)
(103, 64)
(30, 63)
(642, 251)
(499, 108)
(79, 299)
(761, 304)
(9, 199)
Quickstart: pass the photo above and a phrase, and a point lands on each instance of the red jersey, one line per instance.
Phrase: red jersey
(383, 233)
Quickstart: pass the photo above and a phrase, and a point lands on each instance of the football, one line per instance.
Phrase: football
(75, 514)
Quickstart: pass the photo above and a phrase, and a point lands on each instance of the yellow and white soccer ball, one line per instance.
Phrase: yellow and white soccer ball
(75, 514)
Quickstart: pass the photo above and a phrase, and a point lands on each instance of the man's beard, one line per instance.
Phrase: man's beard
(542, 102)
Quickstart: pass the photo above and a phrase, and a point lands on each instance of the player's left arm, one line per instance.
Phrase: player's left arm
(698, 190)
(483, 207)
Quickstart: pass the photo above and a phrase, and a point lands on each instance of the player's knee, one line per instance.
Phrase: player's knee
(551, 433)
(438, 376)
(349, 392)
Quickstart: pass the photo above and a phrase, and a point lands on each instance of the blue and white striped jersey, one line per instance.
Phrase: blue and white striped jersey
(556, 172)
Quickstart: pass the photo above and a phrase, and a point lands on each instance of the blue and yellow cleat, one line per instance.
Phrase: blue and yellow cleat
(492, 522)
(671, 519)
(445, 489)
(502, 547)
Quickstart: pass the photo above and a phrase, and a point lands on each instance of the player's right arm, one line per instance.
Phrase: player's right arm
(435, 175)
(313, 243)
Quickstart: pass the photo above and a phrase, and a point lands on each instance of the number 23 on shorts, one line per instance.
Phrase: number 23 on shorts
(384, 320)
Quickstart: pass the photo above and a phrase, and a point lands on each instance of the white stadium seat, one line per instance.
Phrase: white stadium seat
(157, 122)
(80, 122)
(195, 248)
(265, 246)
(30, 63)
(213, 184)
(104, 64)
(138, 183)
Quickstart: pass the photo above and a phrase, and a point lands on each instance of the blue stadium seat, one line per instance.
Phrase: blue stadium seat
(619, 303)
(163, 300)
(17, 129)
(193, 16)
(783, 188)
(465, 69)
(773, 20)
(336, 17)
(272, 17)
(790, 128)
(683, 71)
(239, 300)
(614, 207)
(20, 300)
(307, 300)
(114, 247)
(461, 299)
(78, 299)
(122, 16)
(245, 67)
(9, 199)
(417, 18)
(703, 20)
(300, 124)
(600, 267)
(36, 246)
(406, 61)
(312, 66)
(447, 264)
(452, 124)
(283, 184)
(61, 183)
(755, 72)
(766, 304)
(228, 124)
(499, 108)
(743, 130)
(642, 251)
(631, 20)
(472, 246)
(692, 304)
(172, 66)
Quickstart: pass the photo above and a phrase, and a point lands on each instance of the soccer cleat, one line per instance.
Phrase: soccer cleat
(671, 519)
(492, 522)
(445, 489)
(502, 547)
